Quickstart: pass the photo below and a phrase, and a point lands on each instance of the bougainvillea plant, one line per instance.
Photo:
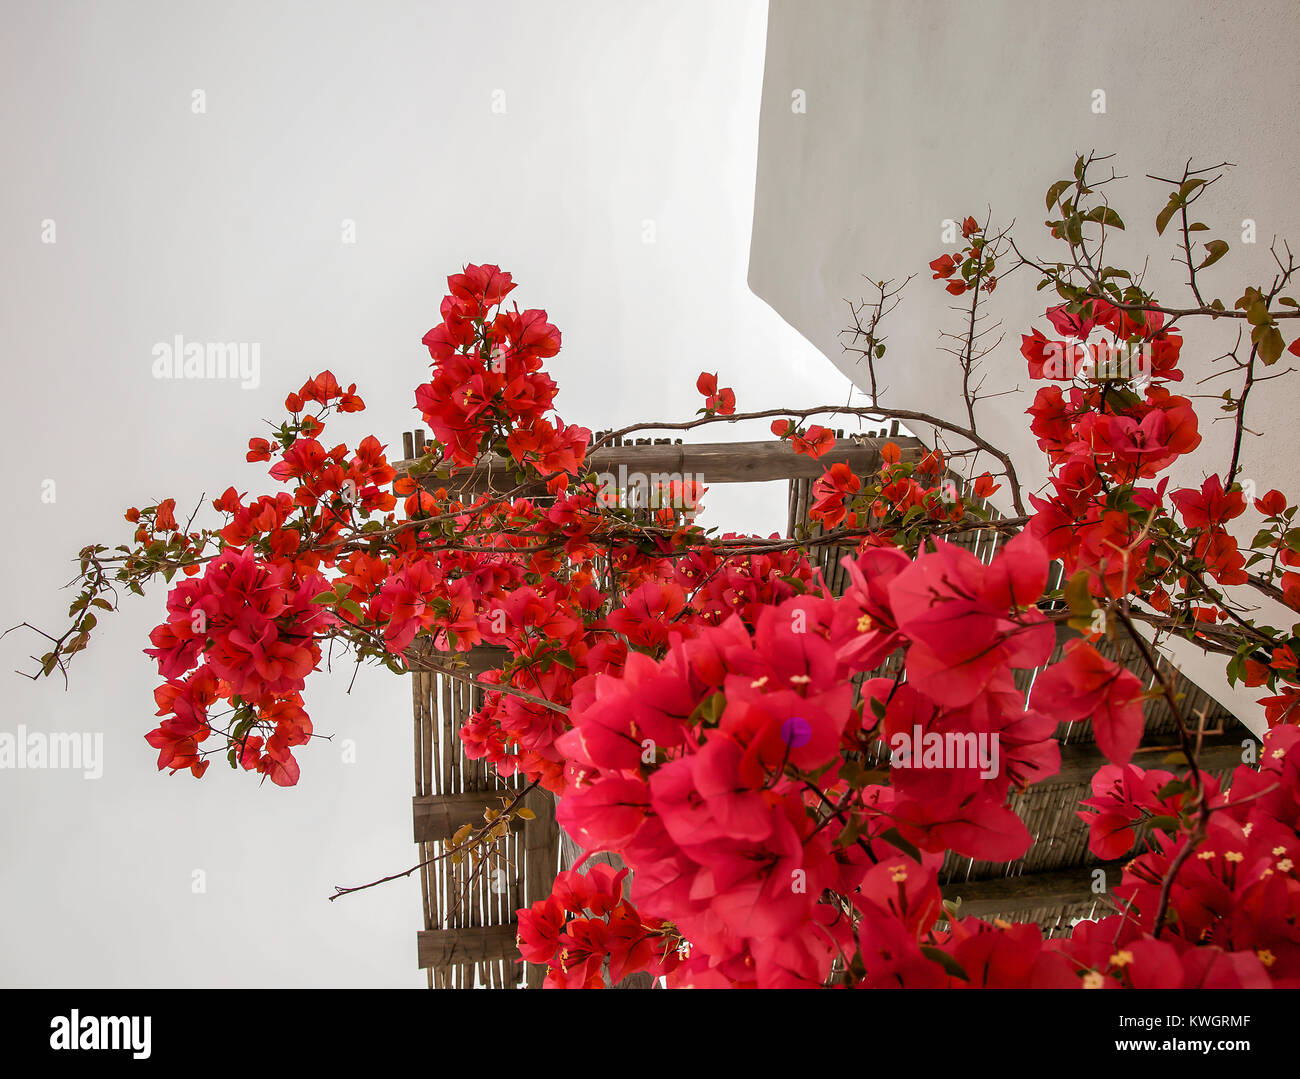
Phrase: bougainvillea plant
(708, 710)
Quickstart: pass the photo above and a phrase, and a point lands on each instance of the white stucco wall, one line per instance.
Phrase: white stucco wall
(917, 112)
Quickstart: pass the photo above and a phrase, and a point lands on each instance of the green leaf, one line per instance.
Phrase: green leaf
(850, 833)
(709, 710)
(1104, 215)
(238, 735)
(1269, 344)
(1054, 192)
(1077, 594)
(1171, 208)
(944, 960)
(894, 837)
(1215, 250)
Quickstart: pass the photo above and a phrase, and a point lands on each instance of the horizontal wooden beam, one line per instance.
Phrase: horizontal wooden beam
(438, 817)
(422, 656)
(711, 463)
(1002, 895)
(473, 944)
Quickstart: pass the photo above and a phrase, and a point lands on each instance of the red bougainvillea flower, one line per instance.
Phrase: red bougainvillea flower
(865, 629)
(1211, 506)
(829, 493)
(165, 516)
(723, 401)
(1086, 685)
(1272, 504)
(585, 924)
(955, 611)
(1071, 325)
(984, 486)
(186, 702)
(944, 266)
(1122, 796)
(816, 442)
(422, 503)
(478, 289)
(1056, 360)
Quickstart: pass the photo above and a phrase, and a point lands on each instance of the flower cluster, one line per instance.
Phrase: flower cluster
(710, 771)
(248, 631)
(586, 931)
(781, 769)
(488, 380)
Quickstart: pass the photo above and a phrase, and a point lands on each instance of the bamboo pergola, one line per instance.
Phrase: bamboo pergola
(469, 934)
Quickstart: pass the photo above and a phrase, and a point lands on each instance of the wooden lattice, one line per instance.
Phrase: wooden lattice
(469, 908)
(469, 935)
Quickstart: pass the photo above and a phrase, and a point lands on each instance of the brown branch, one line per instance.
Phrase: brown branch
(467, 844)
(803, 413)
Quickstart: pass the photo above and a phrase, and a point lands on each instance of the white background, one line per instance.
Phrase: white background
(917, 112)
(226, 226)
